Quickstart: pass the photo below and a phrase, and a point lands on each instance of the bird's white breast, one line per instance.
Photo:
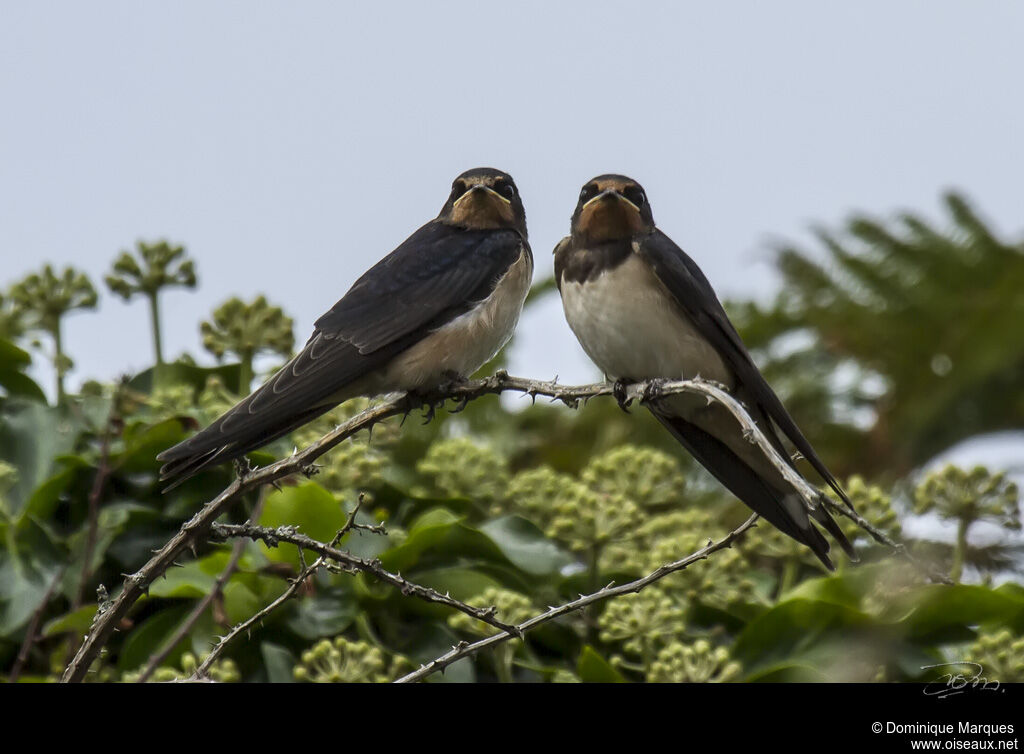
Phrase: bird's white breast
(467, 342)
(629, 325)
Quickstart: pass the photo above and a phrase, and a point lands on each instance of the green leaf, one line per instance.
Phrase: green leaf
(314, 510)
(945, 612)
(142, 444)
(327, 613)
(151, 635)
(462, 583)
(526, 546)
(837, 590)
(13, 380)
(192, 580)
(78, 621)
(29, 562)
(278, 662)
(45, 498)
(428, 531)
(240, 602)
(593, 668)
(32, 435)
(792, 627)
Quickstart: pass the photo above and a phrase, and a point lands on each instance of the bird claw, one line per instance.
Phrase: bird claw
(621, 394)
(652, 390)
(243, 467)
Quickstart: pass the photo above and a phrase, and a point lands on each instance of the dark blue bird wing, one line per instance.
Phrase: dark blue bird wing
(435, 275)
(694, 294)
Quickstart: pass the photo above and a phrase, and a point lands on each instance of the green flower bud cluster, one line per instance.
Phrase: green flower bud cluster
(248, 330)
(42, 300)
(585, 520)
(648, 477)
(512, 608)
(222, 671)
(699, 662)
(609, 506)
(153, 267)
(1001, 655)
(955, 493)
(46, 296)
(461, 467)
(663, 531)
(643, 622)
(721, 581)
(342, 660)
(351, 467)
(358, 464)
(535, 493)
(162, 266)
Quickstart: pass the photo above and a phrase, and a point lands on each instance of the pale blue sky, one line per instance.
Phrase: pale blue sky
(291, 145)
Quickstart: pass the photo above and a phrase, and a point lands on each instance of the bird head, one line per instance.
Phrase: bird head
(611, 208)
(485, 199)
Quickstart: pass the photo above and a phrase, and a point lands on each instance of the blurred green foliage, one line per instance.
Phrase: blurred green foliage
(898, 339)
(905, 342)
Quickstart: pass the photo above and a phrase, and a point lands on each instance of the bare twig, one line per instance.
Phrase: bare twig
(32, 630)
(195, 529)
(465, 649)
(112, 426)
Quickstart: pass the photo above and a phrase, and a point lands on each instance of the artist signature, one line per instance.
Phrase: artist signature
(953, 683)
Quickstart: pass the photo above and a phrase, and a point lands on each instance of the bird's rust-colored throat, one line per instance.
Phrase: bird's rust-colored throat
(609, 216)
(483, 208)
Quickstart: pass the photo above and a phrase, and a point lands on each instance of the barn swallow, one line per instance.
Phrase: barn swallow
(643, 310)
(433, 310)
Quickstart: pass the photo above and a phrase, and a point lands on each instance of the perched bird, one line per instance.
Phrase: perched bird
(434, 310)
(642, 310)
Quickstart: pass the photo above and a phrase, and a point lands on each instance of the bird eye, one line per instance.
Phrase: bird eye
(507, 189)
(588, 193)
(636, 195)
(458, 189)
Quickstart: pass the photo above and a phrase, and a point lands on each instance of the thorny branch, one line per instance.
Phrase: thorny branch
(202, 671)
(464, 649)
(135, 585)
(353, 563)
(197, 612)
